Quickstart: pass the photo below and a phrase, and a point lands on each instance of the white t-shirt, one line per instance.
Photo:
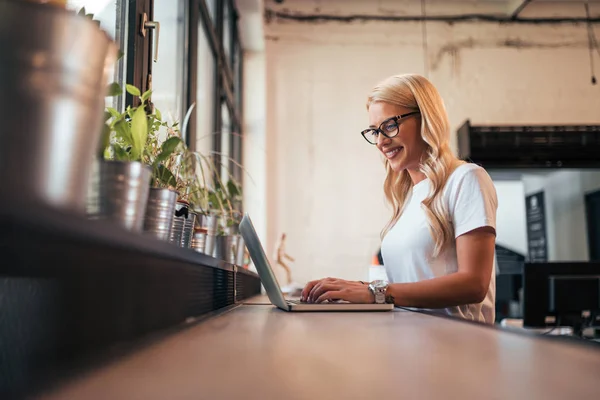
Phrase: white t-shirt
(407, 248)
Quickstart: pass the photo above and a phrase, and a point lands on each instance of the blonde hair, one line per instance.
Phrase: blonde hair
(415, 92)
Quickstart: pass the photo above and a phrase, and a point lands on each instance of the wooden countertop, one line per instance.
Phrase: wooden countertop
(260, 352)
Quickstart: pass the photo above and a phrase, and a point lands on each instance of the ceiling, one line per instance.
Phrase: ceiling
(252, 11)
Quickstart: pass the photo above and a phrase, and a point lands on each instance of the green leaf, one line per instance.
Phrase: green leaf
(164, 176)
(146, 95)
(120, 153)
(113, 113)
(158, 114)
(132, 90)
(139, 132)
(167, 148)
(123, 131)
(82, 11)
(233, 189)
(114, 89)
(104, 140)
(120, 54)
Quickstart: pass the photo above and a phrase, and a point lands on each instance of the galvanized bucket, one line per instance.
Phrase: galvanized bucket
(54, 72)
(224, 248)
(158, 221)
(188, 230)
(199, 240)
(178, 222)
(240, 248)
(209, 222)
(119, 193)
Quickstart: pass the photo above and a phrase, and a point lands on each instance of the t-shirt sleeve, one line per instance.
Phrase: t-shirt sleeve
(473, 202)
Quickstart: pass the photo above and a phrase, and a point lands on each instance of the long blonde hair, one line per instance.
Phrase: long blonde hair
(415, 92)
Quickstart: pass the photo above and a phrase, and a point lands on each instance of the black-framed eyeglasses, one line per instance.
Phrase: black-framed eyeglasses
(389, 128)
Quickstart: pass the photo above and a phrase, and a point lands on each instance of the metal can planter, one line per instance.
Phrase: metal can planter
(209, 222)
(199, 240)
(178, 221)
(119, 193)
(158, 221)
(54, 71)
(188, 230)
(224, 248)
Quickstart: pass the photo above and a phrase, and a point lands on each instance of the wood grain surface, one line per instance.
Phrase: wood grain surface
(260, 352)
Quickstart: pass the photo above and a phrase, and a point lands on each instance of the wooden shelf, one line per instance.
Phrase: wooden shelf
(71, 288)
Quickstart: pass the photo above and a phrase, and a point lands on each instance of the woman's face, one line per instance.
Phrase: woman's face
(403, 151)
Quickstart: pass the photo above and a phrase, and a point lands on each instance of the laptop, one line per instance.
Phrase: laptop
(269, 280)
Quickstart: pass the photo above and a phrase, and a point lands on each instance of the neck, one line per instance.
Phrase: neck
(416, 176)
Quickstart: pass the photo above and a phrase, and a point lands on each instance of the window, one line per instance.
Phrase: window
(219, 22)
(168, 70)
(112, 15)
(205, 94)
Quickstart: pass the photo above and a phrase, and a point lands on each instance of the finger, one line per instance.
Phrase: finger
(322, 288)
(315, 288)
(318, 290)
(330, 295)
(309, 286)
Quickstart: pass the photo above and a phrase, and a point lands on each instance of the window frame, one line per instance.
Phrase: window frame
(227, 88)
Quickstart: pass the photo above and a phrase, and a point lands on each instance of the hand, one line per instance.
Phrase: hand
(333, 289)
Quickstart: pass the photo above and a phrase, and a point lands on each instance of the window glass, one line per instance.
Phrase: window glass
(205, 95)
(227, 15)
(112, 15)
(210, 4)
(225, 140)
(168, 72)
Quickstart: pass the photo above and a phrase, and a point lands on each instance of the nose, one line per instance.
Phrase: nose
(382, 140)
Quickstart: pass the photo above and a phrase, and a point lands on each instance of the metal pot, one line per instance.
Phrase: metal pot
(199, 240)
(119, 193)
(240, 248)
(54, 72)
(178, 222)
(209, 222)
(224, 248)
(188, 230)
(183, 225)
(158, 221)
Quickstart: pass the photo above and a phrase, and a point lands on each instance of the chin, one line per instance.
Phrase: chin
(397, 166)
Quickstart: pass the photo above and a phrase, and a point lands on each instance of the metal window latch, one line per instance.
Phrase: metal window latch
(144, 26)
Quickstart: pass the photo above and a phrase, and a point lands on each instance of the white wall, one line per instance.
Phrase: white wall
(254, 143)
(323, 181)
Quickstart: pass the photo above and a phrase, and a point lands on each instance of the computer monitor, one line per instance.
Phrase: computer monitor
(561, 294)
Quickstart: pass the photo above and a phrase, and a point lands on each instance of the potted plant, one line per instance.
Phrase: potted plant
(120, 192)
(55, 67)
(134, 187)
(163, 140)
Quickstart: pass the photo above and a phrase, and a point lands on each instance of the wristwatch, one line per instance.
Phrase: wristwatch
(378, 288)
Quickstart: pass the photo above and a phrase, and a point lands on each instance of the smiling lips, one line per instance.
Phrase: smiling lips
(392, 153)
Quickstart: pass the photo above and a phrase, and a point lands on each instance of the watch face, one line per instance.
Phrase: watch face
(379, 284)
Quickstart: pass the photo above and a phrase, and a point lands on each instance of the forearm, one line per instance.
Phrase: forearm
(446, 291)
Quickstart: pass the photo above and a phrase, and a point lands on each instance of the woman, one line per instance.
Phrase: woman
(438, 247)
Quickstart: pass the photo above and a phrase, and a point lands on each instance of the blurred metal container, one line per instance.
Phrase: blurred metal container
(188, 230)
(209, 222)
(224, 248)
(178, 222)
(240, 248)
(158, 221)
(199, 240)
(120, 193)
(53, 78)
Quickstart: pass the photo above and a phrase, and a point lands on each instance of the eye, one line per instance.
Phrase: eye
(390, 126)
